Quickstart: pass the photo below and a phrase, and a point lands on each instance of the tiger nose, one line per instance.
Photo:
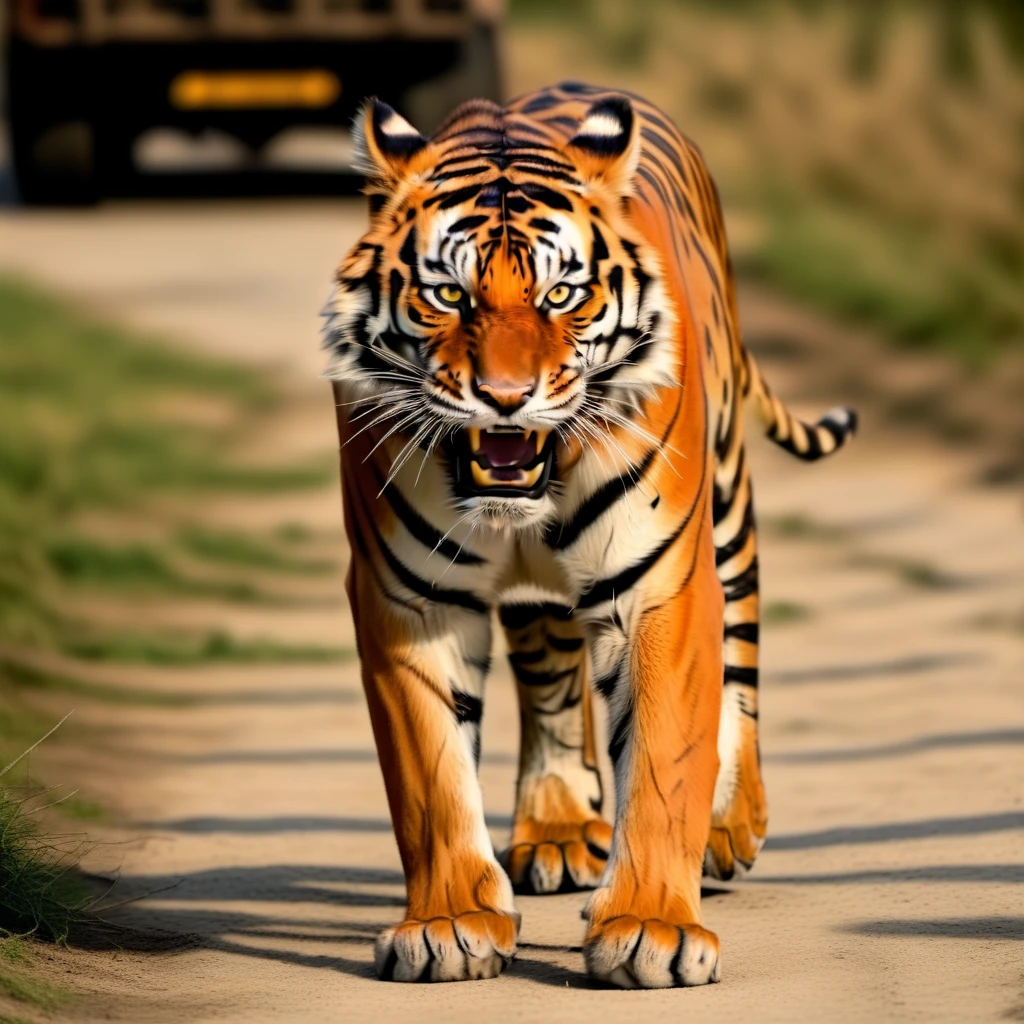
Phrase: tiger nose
(505, 396)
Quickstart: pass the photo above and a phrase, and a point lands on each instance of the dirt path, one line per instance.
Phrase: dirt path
(893, 722)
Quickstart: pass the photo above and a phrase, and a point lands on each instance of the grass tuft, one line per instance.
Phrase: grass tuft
(38, 893)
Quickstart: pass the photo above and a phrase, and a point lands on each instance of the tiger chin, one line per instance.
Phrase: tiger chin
(539, 377)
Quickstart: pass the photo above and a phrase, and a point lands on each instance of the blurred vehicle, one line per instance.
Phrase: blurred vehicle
(105, 95)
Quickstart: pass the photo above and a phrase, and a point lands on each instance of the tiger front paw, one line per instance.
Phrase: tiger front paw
(630, 953)
(467, 947)
(558, 857)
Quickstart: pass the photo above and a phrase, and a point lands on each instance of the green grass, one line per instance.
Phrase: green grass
(901, 279)
(779, 613)
(189, 649)
(138, 568)
(797, 526)
(878, 146)
(14, 951)
(81, 809)
(97, 422)
(39, 894)
(233, 548)
(19, 676)
(911, 571)
(40, 995)
(94, 418)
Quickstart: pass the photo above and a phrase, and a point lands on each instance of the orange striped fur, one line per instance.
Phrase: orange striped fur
(539, 375)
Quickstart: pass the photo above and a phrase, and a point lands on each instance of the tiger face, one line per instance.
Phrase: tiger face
(500, 309)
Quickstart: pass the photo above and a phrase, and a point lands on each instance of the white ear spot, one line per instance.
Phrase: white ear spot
(601, 125)
(396, 125)
(606, 129)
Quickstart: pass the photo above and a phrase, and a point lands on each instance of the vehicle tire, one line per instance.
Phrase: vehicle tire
(52, 149)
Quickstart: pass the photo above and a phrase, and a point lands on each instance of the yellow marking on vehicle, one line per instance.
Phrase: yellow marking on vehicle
(235, 90)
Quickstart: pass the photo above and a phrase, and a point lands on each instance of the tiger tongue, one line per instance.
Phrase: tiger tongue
(507, 449)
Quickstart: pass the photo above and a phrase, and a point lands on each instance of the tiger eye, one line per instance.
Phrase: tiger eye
(450, 294)
(558, 295)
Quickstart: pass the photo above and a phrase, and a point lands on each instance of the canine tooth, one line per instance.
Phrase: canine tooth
(529, 434)
(474, 438)
(542, 436)
(481, 476)
(533, 475)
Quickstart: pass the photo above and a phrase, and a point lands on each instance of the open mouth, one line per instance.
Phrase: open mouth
(503, 462)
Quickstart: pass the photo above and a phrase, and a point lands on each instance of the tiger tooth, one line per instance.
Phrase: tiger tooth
(533, 475)
(474, 438)
(542, 436)
(481, 476)
(529, 434)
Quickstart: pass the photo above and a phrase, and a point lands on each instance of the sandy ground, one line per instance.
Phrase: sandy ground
(892, 713)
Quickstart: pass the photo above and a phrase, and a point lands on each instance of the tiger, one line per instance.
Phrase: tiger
(539, 377)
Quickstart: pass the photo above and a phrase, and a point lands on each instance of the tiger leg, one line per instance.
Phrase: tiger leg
(460, 921)
(559, 840)
(739, 819)
(664, 700)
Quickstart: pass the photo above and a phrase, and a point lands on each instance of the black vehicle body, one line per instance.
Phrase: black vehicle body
(86, 79)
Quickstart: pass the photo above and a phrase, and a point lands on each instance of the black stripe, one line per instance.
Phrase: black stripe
(543, 224)
(606, 684)
(549, 197)
(809, 454)
(837, 432)
(530, 678)
(560, 536)
(417, 584)
(519, 616)
(746, 676)
(749, 631)
(468, 223)
(733, 547)
(606, 589)
(450, 199)
(464, 172)
(621, 735)
(606, 496)
(565, 643)
(528, 657)
(743, 585)
(545, 101)
(524, 166)
(426, 533)
(721, 505)
(712, 273)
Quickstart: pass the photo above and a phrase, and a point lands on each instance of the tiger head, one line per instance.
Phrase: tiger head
(501, 307)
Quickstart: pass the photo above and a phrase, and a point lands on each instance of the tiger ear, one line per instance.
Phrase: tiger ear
(606, 146)
(385, 142)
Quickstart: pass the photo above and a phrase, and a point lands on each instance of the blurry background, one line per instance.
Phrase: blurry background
(175, 194)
